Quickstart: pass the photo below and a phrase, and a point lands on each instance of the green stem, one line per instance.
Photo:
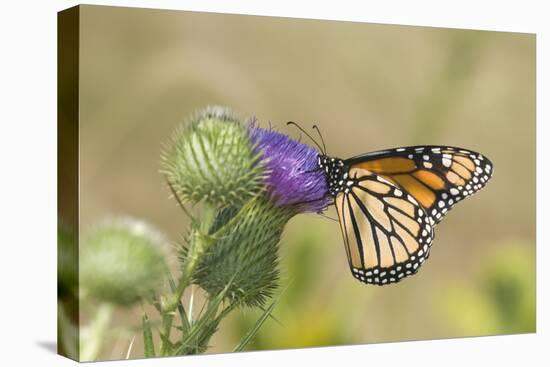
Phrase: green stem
(93, 334)
(200, 244)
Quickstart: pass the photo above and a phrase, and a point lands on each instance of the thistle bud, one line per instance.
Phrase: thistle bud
(245, 254)
(213, 160)
(121, 262)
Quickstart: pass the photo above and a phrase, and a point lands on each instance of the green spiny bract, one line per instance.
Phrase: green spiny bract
(244, 254)
(213, 160)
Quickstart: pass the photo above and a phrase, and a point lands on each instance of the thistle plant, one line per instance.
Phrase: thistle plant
(251, 181)
(239, 184)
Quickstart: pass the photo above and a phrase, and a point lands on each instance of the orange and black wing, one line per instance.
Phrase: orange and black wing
(387, 233)
(436, 176)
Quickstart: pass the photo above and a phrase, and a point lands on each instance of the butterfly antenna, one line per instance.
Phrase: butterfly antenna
(309, 136)
(322, 140)
(327, 217)
(312, 170)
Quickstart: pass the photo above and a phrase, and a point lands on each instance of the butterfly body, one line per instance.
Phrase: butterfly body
(388, 203)
(336, 173)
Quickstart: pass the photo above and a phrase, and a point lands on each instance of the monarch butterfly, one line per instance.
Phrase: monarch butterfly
(389, 201)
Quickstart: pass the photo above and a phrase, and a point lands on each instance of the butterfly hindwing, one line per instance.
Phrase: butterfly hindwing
(387, 233)
(436, 176)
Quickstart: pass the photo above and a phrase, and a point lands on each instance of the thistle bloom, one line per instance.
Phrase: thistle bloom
(293, 177)
(256, 180)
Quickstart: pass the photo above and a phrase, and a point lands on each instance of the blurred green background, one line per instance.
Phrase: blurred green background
(368, 87)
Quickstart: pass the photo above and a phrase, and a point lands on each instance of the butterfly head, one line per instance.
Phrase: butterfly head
(336, 173)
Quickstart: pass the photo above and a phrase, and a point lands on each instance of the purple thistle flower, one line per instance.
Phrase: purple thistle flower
(294, 178)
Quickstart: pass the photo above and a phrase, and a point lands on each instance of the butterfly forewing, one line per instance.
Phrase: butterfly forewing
(387, 233)
(436, 176)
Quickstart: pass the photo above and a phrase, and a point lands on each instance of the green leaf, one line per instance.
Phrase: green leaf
(183, 315)
(201, 331)
(254, 330)
(148, 346)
